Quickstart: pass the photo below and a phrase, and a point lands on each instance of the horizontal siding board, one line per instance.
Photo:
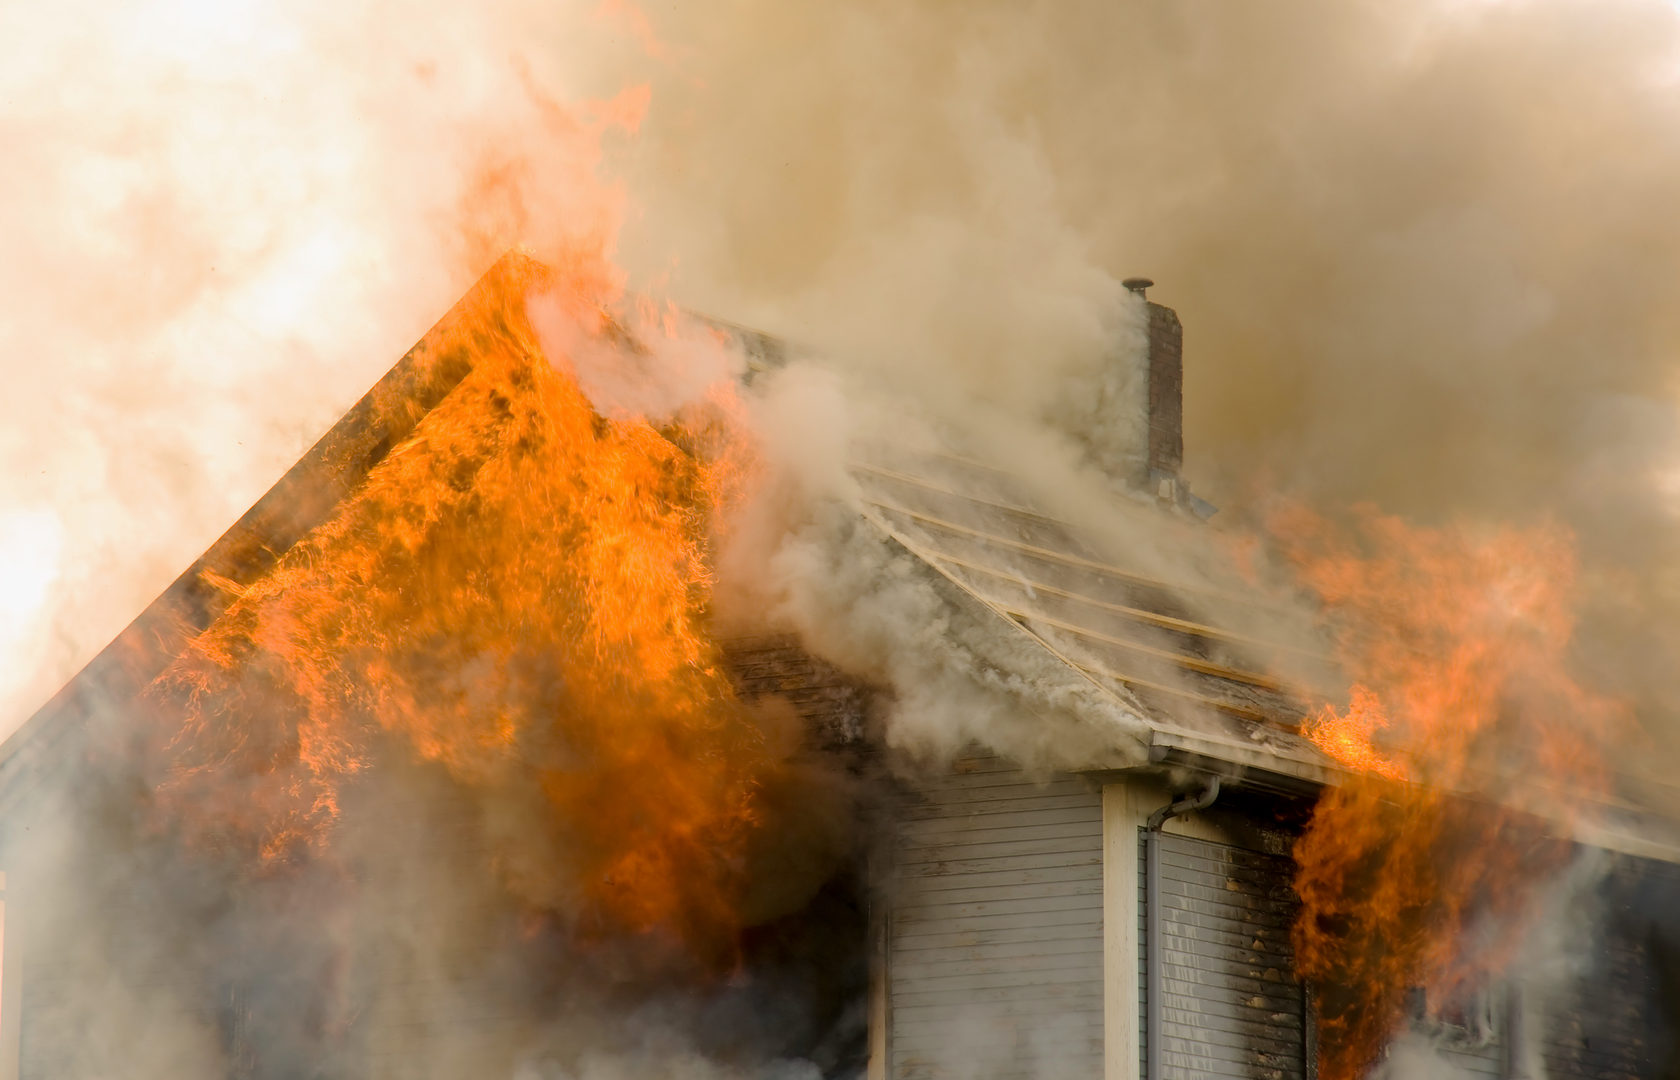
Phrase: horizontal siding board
(928, 1017)
(1219, 925)
(937, 853)
(1064, 896)
(935, 1059)
(1053, 1001)
(998, 978)
(937, 1055)
(933, 1025)
(1194, 1008)
(916, 971)
(1254, 1035)
(1188, 1060)
(1211, 996)
(1044, 912)
(1254, 888)
(929, 937)
(1062, 920)
(1027, 829)
(937, 1031)
(937, 884)
(1236, 892)
(1259, 862)
(1231, 1007)
(1232, 1049)
(1215, 969)
(918, 964)
(930, 1071)
(996, 920)
(1224, 958)
(1262, 1031)
(1073, 820)
(1272, 940)
(1056, 882)
(1085, 903)
(1197, 901)
(1053, 982)
(1035, 857)
(1235, 1051)
(1240, 947)
(1272, 894)
(994, 952)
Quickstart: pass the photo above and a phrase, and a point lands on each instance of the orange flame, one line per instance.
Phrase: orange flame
(1471, 748)
(517, 593)
(1347, 737)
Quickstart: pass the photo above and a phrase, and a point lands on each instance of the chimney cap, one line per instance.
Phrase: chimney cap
(1137, 284)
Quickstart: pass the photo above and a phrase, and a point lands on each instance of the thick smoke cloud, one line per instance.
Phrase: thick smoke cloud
(1380, 222)
(1424, 252)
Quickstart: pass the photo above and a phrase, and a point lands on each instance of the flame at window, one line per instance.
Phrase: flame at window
(1471, 752)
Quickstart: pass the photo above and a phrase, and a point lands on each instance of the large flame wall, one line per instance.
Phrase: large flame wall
(517, 592)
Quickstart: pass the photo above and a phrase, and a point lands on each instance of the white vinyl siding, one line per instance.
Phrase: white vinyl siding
(994, 953)
(1232, 1005)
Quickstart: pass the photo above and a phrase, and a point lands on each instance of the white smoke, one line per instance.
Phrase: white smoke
(1417, 1058)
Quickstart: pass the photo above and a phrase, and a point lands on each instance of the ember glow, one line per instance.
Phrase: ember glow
(1471, 752)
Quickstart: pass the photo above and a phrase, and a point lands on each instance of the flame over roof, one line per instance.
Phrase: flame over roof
(1205, 693)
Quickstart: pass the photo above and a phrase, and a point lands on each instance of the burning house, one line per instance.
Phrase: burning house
(462, 645)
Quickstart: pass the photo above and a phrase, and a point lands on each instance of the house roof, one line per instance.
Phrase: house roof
(1207, 693)
(1161, 648)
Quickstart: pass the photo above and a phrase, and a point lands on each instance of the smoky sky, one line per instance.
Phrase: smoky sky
(1425, 254)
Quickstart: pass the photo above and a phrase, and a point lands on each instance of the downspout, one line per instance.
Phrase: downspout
(1152, 920)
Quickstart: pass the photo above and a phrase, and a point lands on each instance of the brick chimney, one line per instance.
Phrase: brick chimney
(1164, 392)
